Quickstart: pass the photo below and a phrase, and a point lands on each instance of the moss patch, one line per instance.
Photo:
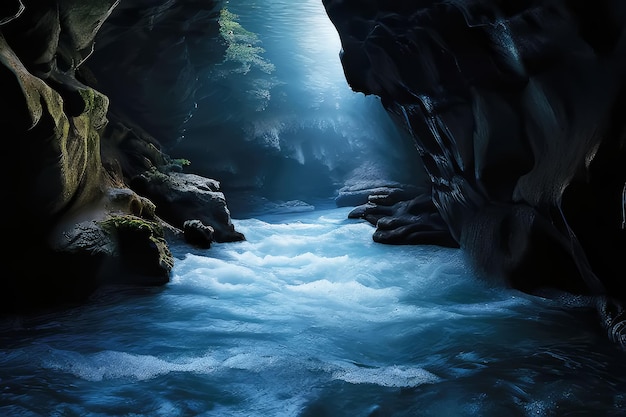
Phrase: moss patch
(142, 246)
(128, 223)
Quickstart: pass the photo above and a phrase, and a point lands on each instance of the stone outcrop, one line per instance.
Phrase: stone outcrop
(119, 242)
(517, 111)
(180, 197)
(404, 217)
(69, 162)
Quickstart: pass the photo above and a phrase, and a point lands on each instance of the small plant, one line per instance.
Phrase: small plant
(182, 162)
(157, 175)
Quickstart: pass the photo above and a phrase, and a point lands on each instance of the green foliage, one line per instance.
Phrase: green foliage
(181, 162)
(241, 45)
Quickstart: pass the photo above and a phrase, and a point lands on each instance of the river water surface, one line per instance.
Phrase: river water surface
(310, 317)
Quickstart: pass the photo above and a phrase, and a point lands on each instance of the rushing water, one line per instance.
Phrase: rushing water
(310, 317)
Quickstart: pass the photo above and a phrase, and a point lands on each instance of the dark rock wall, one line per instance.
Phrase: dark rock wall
(51, 122)
(70, 221)
(149, 59)
(51, 126)
(517, 111)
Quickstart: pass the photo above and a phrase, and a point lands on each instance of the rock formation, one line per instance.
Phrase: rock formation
(517, 111)
(71, 218)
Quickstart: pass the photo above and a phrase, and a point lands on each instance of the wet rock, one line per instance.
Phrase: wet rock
(198, 234)
(401, 221)
(517, 111)
(180, 197)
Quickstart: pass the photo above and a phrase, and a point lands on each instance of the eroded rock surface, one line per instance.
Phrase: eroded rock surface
(405, 218)
(180, 197)
(517, 111)
(75, 224)
(153, 58)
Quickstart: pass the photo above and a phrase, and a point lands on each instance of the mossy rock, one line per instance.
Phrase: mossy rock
(141, 247)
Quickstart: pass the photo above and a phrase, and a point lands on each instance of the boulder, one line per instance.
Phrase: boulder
(198, 234)
(180, 197)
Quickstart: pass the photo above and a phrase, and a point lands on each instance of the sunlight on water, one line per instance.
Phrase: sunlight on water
(310, 317)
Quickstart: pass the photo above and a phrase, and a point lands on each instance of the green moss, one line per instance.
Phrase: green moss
(96, 105)
(133, 234)
(128, 223)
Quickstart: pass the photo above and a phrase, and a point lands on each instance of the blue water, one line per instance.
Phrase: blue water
(310, 317)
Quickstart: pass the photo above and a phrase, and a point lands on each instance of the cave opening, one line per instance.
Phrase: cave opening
(294, 129)
(259, 102)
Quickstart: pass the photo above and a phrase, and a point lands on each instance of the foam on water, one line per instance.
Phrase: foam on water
(310, 317)
(114, 365)
(391, 376)
(320, 263)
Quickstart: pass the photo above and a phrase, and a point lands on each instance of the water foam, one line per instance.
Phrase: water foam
(389, 376)
(113, 365)
(308, 317)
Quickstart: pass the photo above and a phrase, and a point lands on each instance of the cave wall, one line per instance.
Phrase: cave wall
(516, 109)
(70, 220)
(51, 121)
(150, 60)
